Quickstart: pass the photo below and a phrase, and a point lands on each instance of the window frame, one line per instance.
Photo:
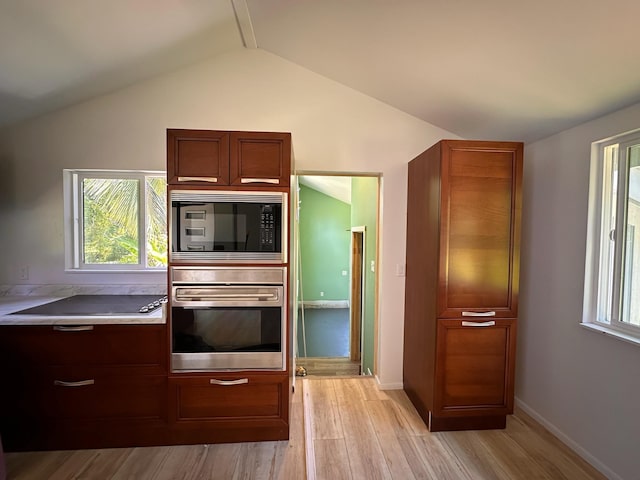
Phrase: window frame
(608, 321)
(74, 215)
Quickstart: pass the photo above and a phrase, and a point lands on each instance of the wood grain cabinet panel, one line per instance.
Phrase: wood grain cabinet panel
(197, 157)
(474, 367)
(461, 292)
(479, 232)
(260, 159)
(137, 347)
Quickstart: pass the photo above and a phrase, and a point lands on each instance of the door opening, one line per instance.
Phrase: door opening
(335, 236)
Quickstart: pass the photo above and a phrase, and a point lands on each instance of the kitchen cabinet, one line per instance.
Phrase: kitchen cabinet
(83, 386)
(242, 160)
(461, 293)
(229, 407)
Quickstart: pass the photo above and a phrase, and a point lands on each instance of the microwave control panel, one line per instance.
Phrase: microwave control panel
(267, 229)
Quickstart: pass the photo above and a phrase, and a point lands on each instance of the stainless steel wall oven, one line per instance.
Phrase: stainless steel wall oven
(214, 226)
(228, 318)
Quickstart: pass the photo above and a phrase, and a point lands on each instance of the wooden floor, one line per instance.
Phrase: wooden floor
(359, 432)
(329, 366)
(351, 429)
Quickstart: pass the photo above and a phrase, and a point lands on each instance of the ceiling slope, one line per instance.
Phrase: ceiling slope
(57, 53)
(496, 69)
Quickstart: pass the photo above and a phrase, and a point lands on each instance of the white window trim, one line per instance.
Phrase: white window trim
(590, 316)
(73, 212)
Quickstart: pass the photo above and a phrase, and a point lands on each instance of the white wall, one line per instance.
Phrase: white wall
(584, 385)
(334, 128)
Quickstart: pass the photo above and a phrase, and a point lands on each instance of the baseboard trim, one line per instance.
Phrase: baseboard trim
(326, 304)
(388, 386)
(564, 438)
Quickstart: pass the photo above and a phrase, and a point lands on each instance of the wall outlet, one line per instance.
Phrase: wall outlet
(344, 273)
(23, 272)
(322, 294)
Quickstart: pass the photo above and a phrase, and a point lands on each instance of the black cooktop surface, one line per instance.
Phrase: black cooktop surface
(98, 305)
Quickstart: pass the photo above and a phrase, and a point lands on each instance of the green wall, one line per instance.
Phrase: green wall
(324, 246)
(364, 212)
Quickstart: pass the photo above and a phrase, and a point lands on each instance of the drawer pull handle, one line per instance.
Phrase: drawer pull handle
(490, 323)
(478, 314)
(273, 181)
(227, 383)
(73, 328)
(198, 179)
(81, 383)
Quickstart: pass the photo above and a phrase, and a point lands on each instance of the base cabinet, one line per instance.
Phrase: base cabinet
(118, 393)
(92, 387)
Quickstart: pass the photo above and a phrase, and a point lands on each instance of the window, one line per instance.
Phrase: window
(612, 288)
(116, 220)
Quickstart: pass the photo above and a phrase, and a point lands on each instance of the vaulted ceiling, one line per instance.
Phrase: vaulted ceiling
(496, 69)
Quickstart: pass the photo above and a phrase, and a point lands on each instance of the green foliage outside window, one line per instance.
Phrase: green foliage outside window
(111, 225)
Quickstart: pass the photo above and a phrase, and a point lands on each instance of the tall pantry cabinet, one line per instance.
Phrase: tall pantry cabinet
(461, 294)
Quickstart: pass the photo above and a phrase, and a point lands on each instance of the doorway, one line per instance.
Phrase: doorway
(335, 238)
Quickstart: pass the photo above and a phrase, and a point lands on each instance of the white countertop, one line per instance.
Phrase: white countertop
(11, 303)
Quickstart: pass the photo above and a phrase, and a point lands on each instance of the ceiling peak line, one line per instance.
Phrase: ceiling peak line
(241, 11)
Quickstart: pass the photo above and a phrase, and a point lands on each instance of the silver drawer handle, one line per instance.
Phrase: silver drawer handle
(273, 181)
(81, 383)
(227, 383)
(490, 323)
(76, 328)
(478, 314)
(198, 179)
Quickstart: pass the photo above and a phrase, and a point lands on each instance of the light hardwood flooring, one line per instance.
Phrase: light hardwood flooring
(359, 432)
(342, 428)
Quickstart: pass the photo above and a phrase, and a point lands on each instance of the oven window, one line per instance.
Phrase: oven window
(228, 329)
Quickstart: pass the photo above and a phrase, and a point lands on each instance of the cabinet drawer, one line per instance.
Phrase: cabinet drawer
(223, 397)
(475, 366)
(60, 397)
(27, 347)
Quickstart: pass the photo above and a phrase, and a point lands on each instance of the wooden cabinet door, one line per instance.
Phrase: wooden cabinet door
(197, 157)
(260, 159)
(475, 367)
(480, 229)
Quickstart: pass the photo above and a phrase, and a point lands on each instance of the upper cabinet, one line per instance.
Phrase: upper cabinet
(219, 158)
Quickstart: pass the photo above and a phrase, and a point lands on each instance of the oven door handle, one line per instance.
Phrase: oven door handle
(226, 296)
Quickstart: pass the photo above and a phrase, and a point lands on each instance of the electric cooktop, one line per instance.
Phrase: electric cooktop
(98, 305)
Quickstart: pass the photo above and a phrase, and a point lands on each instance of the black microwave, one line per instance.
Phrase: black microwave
(227, 226)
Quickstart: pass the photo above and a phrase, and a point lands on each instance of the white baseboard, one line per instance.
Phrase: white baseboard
(388, 386)
(326, 304)
(588, 457)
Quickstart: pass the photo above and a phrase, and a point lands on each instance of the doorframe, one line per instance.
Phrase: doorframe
(377, 253)
(361, 233)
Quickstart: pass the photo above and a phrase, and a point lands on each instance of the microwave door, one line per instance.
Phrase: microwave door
(197, 227)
